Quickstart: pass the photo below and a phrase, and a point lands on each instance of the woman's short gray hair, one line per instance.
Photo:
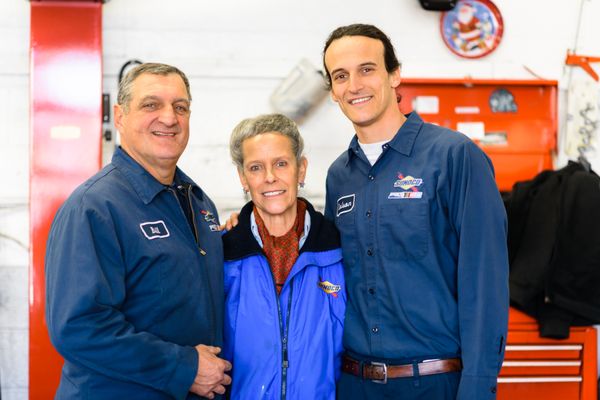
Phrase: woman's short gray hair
(251, 127)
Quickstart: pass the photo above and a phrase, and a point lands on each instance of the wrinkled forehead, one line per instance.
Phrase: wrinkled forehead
(271, 143)
(170, 86)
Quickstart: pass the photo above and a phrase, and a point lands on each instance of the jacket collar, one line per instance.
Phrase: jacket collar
(144, 184)
(239, 242)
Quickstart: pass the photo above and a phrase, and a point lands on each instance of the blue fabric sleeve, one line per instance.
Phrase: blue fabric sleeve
(479, 218)
(85, 291)
(329, 206)
(231, 277)
(338, 310)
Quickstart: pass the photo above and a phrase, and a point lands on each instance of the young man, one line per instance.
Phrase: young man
(423, 233)
(134, 263)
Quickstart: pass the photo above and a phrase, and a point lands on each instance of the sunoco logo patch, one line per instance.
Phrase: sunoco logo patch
(345, 204)
(329, 287)
(407, 182)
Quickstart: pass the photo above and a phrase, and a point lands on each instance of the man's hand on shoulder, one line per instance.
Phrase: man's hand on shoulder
(211, 377)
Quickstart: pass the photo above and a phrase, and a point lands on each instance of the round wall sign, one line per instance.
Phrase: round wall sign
(473, 28)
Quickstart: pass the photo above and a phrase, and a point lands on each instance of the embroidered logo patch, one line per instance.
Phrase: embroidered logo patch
(208, 216)
(407, 182)
(211, 219)
(345, 204)
(405, 195)
(154, 230)
(329, 288)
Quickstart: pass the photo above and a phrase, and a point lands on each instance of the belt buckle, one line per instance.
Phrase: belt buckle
(384, 380)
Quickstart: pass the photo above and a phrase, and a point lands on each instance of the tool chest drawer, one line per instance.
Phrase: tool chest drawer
(548, 369)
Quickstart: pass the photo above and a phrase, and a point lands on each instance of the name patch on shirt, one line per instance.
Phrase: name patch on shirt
(329, 288)
(154, 230)
(345, 204)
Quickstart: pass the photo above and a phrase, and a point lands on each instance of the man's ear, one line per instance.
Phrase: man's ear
(118, 115)
(333, 96)
(395, 78)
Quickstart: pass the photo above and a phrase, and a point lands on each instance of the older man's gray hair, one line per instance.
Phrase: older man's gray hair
(126, 84)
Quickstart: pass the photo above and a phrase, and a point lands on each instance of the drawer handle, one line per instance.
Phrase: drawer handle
(542, 347)
(541, 363)
(540, 379)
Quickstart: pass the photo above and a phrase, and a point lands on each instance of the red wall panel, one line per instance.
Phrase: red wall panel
(66, 122)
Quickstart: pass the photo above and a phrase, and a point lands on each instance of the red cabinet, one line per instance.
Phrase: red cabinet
(514, 122)
(538, 368)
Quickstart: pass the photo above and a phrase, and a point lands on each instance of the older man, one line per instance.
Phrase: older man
(134, 263)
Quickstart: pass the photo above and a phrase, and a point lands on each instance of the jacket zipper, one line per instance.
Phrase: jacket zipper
(189, 199)
(188, 190)
(188, 195)
(284, 334)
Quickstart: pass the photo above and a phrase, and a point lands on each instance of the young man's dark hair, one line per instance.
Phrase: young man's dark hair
(370, 31)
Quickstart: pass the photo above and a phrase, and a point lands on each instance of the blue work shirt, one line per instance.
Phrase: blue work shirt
(131, 286)
(423, 236)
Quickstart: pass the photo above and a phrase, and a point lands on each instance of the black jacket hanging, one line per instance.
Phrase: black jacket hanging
(554, 248)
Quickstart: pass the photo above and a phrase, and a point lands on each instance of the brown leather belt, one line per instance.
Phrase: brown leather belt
(380, 372)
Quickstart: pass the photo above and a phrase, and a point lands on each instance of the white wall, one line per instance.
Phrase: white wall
(235, 53)
(14, 192)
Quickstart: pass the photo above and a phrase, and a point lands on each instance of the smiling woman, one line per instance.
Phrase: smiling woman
(287, 259)
(272, 174)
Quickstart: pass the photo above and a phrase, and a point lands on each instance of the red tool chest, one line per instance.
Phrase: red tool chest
(547, 369)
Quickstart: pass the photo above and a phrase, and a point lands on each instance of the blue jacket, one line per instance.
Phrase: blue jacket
(129, 289)
(309, 314)
(423, 234)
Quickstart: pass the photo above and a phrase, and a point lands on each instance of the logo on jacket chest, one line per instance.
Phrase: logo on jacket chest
(409, 185)
(155, 230)
(211, 220)
(329, 288)
(345, 204)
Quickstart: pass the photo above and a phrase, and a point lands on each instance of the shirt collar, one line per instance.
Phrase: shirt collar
(256, 234)
(144, 184)
(403, 141)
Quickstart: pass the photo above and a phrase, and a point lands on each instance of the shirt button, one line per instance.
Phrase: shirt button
(375, 329)
(385, 146)
(368, 214)
(369, 252)
(371, 177)
(371, 291)
(493, 389)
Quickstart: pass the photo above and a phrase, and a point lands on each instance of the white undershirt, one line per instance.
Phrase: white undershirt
(372, 150)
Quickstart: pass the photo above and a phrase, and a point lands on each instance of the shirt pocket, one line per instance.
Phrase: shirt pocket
(346, 224)
(403, 229)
